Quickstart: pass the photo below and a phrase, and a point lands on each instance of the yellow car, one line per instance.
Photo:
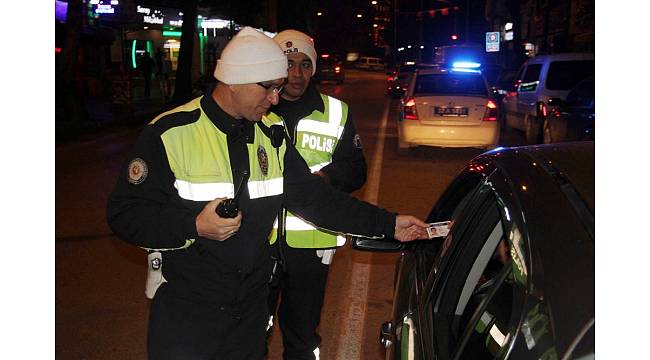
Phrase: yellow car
(448, 107)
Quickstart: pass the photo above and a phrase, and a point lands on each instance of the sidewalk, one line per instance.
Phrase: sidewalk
(103, 113)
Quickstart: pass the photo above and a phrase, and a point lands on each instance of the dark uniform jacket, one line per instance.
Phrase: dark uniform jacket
(151, 214)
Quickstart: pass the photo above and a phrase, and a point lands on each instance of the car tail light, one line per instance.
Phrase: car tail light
(337, 69)
(409, 110)
(490, 111)
(555, 112)
(542, 109)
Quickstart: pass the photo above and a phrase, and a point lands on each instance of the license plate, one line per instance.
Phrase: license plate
(450, 111)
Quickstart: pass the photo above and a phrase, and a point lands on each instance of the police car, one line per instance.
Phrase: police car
(448, 106)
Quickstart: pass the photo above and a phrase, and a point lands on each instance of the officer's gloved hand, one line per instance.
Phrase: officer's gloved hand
(212, 226)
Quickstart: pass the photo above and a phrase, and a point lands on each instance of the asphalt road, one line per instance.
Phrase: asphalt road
(101, 310)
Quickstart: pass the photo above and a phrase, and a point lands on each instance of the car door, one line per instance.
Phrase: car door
(470, 296)
(527, 94)
(409, 330)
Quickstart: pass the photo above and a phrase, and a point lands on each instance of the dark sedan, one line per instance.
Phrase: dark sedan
(514, 277)
(574, 118)
(329, 68)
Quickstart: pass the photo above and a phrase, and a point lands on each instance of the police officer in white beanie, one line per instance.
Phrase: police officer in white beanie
(332, 151)
(209, 265)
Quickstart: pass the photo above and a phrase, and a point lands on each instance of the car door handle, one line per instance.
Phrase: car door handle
(386, 334)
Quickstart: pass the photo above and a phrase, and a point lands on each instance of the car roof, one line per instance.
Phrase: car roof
(433, 70)
(549, 191)
(569, 167)
(561, 57)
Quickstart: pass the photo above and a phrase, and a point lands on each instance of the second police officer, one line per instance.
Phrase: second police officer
(321, 128)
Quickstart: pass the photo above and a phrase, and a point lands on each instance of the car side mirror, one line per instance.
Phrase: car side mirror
(376, 245)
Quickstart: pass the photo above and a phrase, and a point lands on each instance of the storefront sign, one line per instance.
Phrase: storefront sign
(159, 15)
(105, 7)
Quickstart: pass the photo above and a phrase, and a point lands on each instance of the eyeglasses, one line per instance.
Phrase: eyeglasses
(274, 88)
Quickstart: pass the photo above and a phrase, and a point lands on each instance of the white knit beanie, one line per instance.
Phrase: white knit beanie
(251, 57)
(296, 41)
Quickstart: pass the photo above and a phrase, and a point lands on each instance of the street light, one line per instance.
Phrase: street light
(359, 16)
(373, 2)
(319, 13)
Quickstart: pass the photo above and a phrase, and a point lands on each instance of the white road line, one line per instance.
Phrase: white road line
(354, 315)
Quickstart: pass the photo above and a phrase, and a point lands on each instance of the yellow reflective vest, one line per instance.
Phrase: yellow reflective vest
(207, 174)
(316, 138)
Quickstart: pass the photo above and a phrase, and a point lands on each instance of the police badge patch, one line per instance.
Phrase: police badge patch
(263, 160)
(356, 141)
(137, 171)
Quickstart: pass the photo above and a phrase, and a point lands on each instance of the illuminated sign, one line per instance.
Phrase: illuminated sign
(160, 16)
(492, 40)
(215, 24)
(104, 7)
(60, 10)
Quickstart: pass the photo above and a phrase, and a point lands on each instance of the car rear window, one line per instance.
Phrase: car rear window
(327, 61)
(583, 94)
(564, 75)
(454, 84)
(406, 68)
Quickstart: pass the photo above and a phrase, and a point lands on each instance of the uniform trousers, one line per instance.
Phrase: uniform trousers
(182, 329)
(300, 293)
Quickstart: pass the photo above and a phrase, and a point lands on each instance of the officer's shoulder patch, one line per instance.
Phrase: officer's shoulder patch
(356, 141)
(137, 171)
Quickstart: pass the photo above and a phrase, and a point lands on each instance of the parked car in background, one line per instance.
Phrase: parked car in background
(538, 80)
(399, 80)
(370, 63)
(329, 68)
(574, 118)
(448, 107)
(514, 276)
(503, 84)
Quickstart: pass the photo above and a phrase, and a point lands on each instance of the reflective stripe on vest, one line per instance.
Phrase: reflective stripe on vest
(198, 157)
(206, 174)
(316, 138)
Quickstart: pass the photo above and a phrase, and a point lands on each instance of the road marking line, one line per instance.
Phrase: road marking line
(353, 318)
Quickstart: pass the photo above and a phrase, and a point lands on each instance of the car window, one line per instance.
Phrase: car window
(564, 75)
(448, 207)
(473, 265)
(530, 79)
(485, 307)
(450, 84)
(583, 94)
(407, 68)
(327, 62)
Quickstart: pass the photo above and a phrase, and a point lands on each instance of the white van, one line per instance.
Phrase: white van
(538, 80)
(370, 63)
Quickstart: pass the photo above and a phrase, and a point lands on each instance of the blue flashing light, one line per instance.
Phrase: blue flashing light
(464, 70)
(466, 65)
